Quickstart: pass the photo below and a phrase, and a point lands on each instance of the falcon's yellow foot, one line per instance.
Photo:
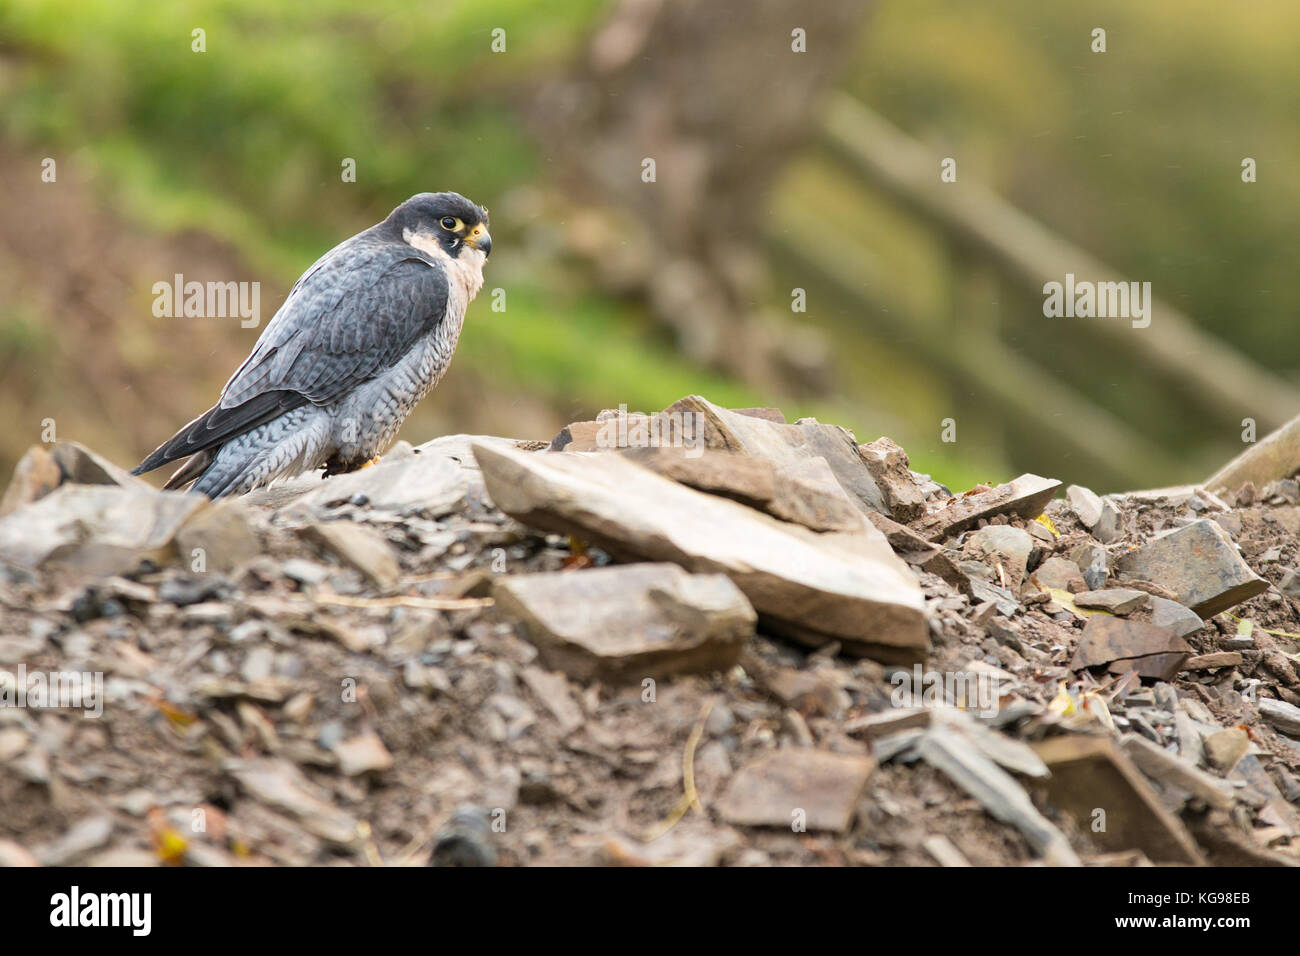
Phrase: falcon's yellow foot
(335, 467)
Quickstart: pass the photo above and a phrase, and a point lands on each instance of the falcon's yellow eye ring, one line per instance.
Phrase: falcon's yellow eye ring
(451, 223)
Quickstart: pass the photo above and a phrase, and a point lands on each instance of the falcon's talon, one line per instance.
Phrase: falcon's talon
(361, 338)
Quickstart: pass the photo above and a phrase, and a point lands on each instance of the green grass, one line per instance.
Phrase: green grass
(587, 349)
(23, 336)
(246, 140)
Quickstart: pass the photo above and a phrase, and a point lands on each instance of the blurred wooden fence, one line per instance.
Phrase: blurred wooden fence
(992, 244)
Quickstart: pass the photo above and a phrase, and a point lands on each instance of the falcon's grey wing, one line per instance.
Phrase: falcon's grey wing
(347, 320)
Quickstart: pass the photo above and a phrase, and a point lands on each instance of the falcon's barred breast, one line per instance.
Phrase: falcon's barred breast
(360, 339)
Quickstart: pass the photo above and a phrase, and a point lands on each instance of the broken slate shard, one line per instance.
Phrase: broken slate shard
(363, 548)
(777, 442)
(1225, 747)
(846, 587)
(363, 754)
(1085, 504)
(34, 477)
(1199, 563)
(630, 621)
(1091, 774)
(1123, 645)
(81, 466)
(918, 552)
(996, 790)
(1213, 661)
(221, 534)
(888, 464)
(1181, 620)
(1168, 769)
(282, 785)
(1096, 514)
(808, 494)
(1285, 717)
(1027, 496)
(1119, 601)
(1060, 574)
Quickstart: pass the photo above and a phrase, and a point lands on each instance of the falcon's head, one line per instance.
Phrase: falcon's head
(444, 224)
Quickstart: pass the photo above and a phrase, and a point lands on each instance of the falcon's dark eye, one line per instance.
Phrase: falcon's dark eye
(449, 223)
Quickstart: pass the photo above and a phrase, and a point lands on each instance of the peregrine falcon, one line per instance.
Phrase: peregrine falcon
(360, 339)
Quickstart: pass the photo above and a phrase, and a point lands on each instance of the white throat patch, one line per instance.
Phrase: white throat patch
(465, 271)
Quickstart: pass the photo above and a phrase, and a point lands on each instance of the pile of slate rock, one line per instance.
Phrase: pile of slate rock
(706, 636)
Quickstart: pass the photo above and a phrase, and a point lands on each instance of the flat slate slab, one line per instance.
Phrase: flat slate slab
(1026, 496)
(808, 494)
(1199, 563)
(96, 528)
(433, 479)
(1090, 773)
(815, 788)
(1125, 645)
(1119, 601)
(630, 621)
(410, 484)
(846, 587)
(1285, 717)
(781, 444)
(1179, 619)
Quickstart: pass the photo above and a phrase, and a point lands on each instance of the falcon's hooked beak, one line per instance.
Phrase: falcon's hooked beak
(479, 239)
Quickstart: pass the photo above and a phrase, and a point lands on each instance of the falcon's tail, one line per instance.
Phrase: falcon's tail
(294, 442)
(190, 470)
(217, 426)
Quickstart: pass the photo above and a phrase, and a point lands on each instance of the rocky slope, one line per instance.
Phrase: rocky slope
(703, 637)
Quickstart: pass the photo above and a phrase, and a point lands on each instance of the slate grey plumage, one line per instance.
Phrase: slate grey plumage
(360, 339)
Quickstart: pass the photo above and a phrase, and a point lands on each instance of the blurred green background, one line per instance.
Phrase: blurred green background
(226, 165)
